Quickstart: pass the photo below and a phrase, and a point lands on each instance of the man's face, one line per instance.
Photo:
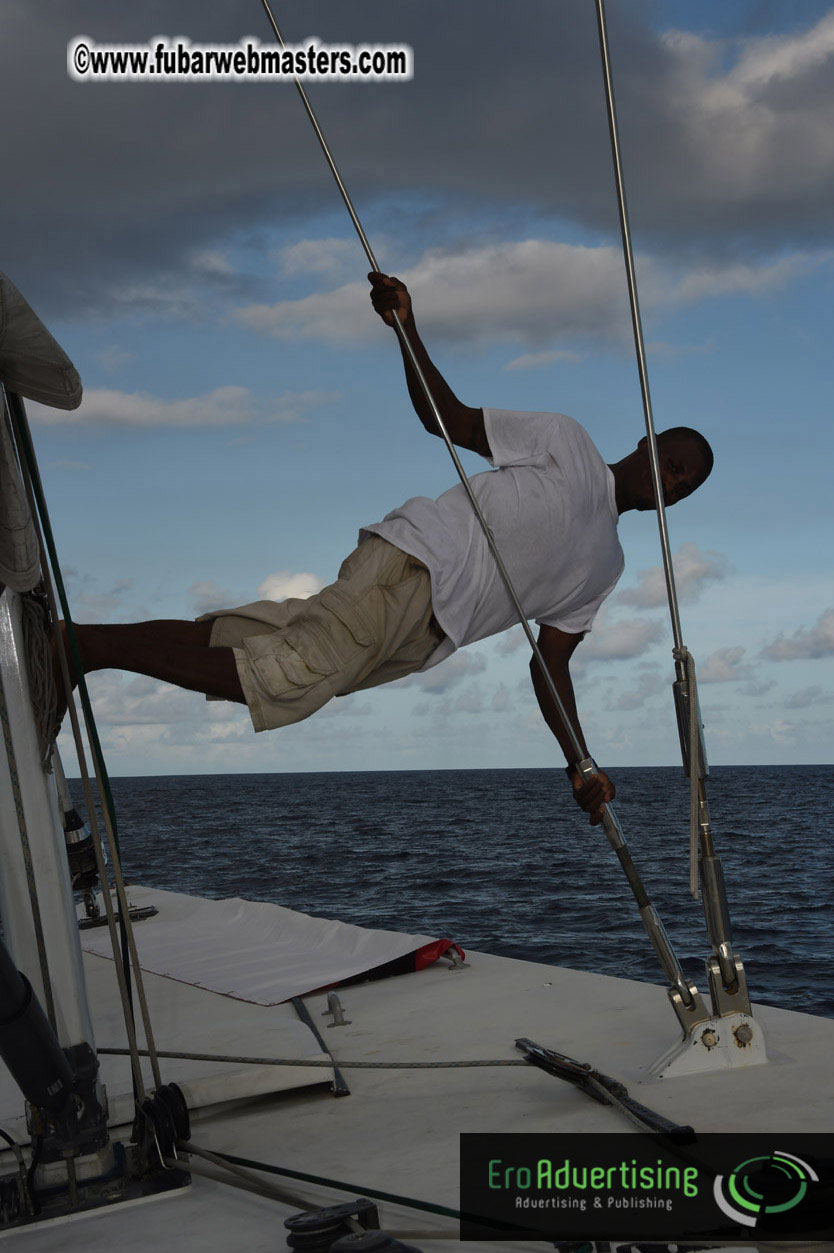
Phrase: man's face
(679, 473)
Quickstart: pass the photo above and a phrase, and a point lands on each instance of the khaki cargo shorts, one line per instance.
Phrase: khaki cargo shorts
(373, 625)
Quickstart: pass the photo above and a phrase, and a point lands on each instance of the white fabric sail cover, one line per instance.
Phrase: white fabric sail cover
(19, 559)
(251, 950)
(32, 363)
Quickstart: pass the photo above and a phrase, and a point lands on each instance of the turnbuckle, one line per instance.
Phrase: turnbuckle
(686, 1000)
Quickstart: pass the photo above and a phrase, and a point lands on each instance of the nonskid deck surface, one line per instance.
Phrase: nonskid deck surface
(398, 1130)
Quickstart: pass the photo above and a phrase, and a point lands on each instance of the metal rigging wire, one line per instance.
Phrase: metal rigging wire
(708, 866)
(637, 326)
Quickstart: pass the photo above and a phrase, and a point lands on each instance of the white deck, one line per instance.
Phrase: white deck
(398, 1130)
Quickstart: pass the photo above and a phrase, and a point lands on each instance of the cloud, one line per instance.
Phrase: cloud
(724, 666)
(511, 641)
(118, 701)
(88, 601)
(765, 61)
(806, 643)
(709, 281)
(756, 687)
(449, 674)
(212, 263)
(205, 596)
(534, 360)
(73, 466)
(693, 571)
(225, 406)
(220, 731)
(619, 639)
(469, 702)
(530, 291)
(729, 140)
(649, 683)
(284, 583)
(779, 731)
(332, 258)
(814, 695)
(752, 123)
(350, 707)
(500, 701)
(113, 359)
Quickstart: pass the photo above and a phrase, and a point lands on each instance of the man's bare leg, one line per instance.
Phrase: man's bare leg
(174, 651)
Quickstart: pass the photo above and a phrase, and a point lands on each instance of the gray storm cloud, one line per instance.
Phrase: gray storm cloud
(728, 142)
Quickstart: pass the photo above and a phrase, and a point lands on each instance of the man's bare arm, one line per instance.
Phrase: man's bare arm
(557, 647)
(465, 425)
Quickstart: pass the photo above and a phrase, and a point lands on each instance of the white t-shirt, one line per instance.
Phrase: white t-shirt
(550, 504)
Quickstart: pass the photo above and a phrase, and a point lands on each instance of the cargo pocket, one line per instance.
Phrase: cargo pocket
(352, 613)
(292, 664)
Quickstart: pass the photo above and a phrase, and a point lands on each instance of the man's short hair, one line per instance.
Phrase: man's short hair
(694, 440)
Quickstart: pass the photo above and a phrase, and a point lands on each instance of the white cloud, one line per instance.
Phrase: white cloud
(760, 129)
(113, 359)
(332, 258)
(222, 731)
(530, 291)
(526, 291)
(779, 731)
(693, 570)
(708, 281)
(283, 584)
(807, 642)
(619, 639)
(774, 57)
(212, 264)
(124, 702)
(534, 360)
(205, 596)
(225, 406)
(724, 666)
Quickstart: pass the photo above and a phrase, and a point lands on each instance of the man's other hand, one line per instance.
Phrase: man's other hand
(591, 794)
(389, 296)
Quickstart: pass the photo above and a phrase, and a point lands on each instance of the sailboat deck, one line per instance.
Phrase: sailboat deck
(398, 1130)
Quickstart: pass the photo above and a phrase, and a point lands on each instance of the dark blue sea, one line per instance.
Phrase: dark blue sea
(502, 860)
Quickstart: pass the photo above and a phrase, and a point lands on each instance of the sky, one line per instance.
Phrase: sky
(245, 411)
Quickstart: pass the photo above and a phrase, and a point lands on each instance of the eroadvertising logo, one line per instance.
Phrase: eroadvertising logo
(763, 1186)
(647, 1187)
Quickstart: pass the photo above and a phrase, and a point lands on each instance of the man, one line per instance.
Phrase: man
(422, 582)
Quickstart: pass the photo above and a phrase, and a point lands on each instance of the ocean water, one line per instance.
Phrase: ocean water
(503, 861)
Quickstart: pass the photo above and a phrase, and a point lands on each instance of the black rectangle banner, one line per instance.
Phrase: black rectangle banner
(647, 1187)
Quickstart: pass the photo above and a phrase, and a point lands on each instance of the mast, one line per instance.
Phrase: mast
(46, 1030)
